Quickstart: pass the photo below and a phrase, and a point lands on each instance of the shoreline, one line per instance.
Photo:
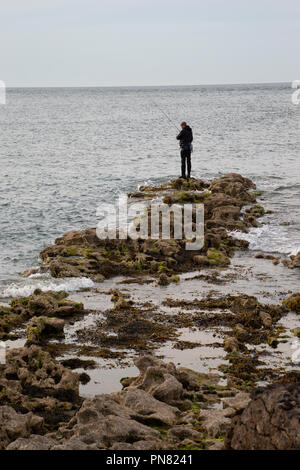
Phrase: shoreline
(185, 308)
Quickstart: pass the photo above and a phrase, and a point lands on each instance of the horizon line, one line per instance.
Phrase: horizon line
(149, 86)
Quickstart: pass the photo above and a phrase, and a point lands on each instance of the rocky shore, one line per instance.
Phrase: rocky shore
(153, 298)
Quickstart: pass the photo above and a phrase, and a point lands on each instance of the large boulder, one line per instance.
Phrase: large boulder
(14, 425)
(102, 421)
(216, 422)
(271, 420)
(147, 409)
(158, 379)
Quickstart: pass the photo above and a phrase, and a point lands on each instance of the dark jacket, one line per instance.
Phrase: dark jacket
(185, 137)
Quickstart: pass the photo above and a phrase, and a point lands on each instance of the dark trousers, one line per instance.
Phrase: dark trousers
(185, 161)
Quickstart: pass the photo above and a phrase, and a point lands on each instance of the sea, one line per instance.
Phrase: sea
(66, 151)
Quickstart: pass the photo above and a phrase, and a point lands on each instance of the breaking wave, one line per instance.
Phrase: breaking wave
(269, 239)
(38, 281)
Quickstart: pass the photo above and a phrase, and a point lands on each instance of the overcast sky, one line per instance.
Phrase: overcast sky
(148, 42)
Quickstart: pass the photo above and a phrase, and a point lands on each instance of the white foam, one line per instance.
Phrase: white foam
(269, 239)
(26, 288)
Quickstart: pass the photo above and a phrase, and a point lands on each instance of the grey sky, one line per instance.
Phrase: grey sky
(148, 42)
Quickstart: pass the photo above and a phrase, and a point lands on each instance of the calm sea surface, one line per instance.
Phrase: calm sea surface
(64, 151)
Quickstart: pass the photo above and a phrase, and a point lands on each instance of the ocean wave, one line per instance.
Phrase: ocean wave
(269, 239)
(37, 282)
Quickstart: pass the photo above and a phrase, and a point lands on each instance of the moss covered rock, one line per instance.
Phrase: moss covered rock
(217, 258)
(293, 302)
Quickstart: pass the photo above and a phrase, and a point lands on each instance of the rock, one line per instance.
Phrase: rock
(21, 309)
(269, 422)
(296, 332)
(75, 444)
(60, 269)
(234, 185)
(244, 304)
(14, 425)
(192, 184)
(179, 433)
(82, 253)
(218, 445)
(227, 216)
(163, 280)
(266, 319)
(121, 446)
(149, 444)
(240, 332)
(34, 442)
(102, 421)
(140, 445)
(217, 258)
(238, 402)
(293, 302)
(216, 422)
(158, 379)
(40, 328)
(201, 260)
(265, 256)
(32, 381)
(295, 261)
(30, 272)
(189, 379)
(50, 304)
(169, 391)
(77, 363)
(120, 301)
(147, 409)
(231, 344)
(162, 385)
(257, 211)
(273, 341)
(124, 420)
(189, 444)
(137, 194)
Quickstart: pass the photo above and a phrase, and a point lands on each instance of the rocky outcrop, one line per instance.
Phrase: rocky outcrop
(271, 421)
(50, 304)
(32, 381)
(139, 417)
(46, 306)
(102, 421)
(82, 253)
(160, 409)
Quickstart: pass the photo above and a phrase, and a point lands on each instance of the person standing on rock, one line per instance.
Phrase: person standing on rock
(185, 138)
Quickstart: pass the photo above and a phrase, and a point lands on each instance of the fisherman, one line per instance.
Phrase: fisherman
(185, 138)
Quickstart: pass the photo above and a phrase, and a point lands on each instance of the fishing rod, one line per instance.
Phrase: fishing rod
(169, 119)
